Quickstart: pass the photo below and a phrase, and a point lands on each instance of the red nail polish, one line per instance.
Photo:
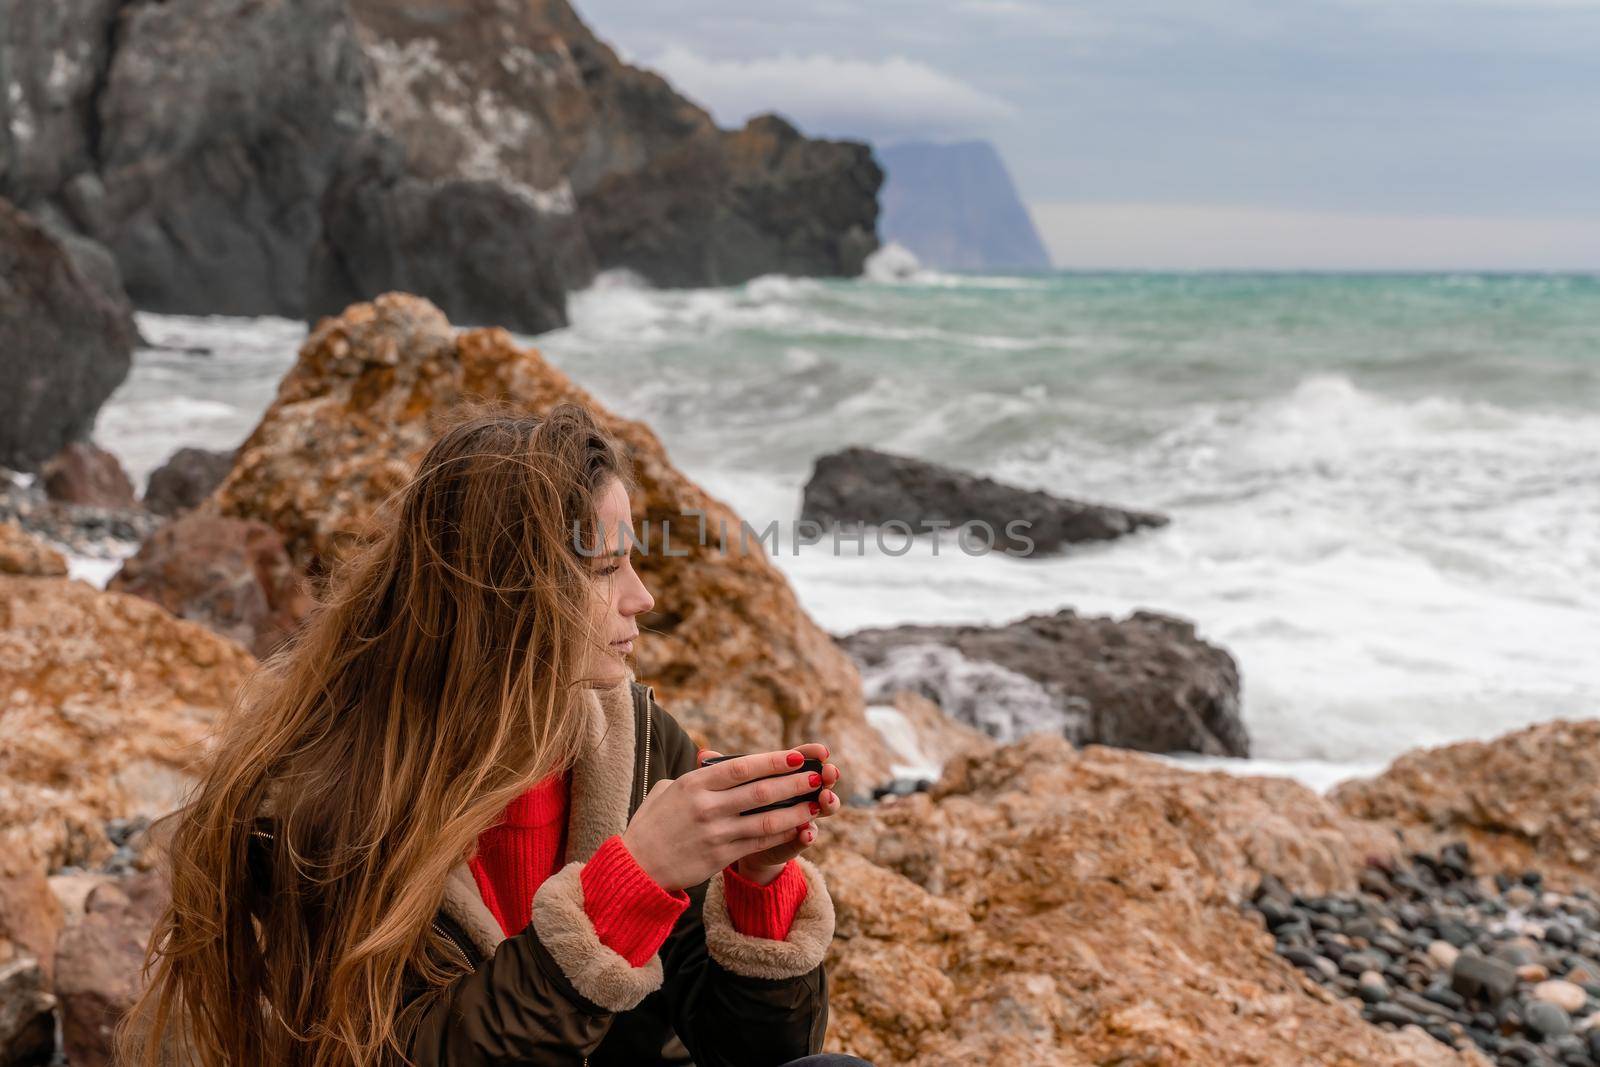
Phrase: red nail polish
(815, 809)
(795, 759)
(814, 780)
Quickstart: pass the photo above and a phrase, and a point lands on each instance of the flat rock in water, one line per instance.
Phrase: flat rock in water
(863, 486)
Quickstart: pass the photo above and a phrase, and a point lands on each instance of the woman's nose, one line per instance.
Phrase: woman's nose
(641, 601)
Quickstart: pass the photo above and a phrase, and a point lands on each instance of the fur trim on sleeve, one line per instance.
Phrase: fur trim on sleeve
(594, 970)
(761, 957)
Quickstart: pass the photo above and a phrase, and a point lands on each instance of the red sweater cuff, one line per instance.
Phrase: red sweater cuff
(632, 914)
(764, 910)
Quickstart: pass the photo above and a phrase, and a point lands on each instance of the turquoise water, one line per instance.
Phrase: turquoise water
(1385, 490)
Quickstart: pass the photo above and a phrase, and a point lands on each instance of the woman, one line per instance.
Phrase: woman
(446, 826)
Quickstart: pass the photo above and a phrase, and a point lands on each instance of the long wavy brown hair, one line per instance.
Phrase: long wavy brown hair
(433, 682)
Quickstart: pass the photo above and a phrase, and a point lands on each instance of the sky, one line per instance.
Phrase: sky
(1196, 134)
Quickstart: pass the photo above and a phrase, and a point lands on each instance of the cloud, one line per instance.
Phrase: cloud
(886, 99)
(1154, 236)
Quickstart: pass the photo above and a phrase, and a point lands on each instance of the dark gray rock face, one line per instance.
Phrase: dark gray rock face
(53, 58)
(1147, 682)
(655, 185)
(223, 150)
(954, 206)
(65, 344)
(721, 211)
(218, 129)
(864, 485)
(185, 479)
(476, 248)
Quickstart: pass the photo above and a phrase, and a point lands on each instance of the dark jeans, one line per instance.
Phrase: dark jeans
(828, 1059)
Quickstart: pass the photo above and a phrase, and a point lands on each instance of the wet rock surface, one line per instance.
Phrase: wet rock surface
(1146, 682)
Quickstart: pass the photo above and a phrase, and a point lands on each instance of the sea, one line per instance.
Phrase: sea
(1384, 488)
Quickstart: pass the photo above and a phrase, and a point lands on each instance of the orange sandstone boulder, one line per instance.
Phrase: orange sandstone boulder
(22, 553)
(1042, 905)
(728, 649)
(1530, 798)
(104, 699)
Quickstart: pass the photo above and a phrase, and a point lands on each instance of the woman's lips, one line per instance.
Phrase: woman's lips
(623, 646)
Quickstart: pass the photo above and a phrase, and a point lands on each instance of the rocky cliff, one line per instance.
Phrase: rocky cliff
(292, 156)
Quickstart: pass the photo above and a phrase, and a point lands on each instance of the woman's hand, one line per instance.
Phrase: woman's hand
(762, 867)
(689, 828)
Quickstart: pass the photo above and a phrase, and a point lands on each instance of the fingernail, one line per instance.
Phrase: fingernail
(810, 837)
(828, 797)
(815, 809)
(814, 780)
(795, 759)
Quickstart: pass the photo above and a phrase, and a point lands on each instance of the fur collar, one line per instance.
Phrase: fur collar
(602, 785)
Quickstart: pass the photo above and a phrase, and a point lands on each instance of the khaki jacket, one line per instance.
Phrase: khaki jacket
(554, 994)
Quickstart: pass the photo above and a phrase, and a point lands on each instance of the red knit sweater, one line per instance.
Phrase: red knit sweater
(631, 913)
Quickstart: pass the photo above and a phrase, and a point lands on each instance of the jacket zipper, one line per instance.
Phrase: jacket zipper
(644, 789)
(454, 944)
(449, 938)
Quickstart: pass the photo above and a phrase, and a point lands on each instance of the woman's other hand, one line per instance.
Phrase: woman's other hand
(763, 866)
(689, 827)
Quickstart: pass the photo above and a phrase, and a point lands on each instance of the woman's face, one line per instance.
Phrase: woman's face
(620, 596)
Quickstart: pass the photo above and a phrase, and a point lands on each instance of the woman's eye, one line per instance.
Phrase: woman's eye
(614, 568)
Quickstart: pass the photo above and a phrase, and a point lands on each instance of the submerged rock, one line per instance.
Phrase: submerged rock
(83, 529)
